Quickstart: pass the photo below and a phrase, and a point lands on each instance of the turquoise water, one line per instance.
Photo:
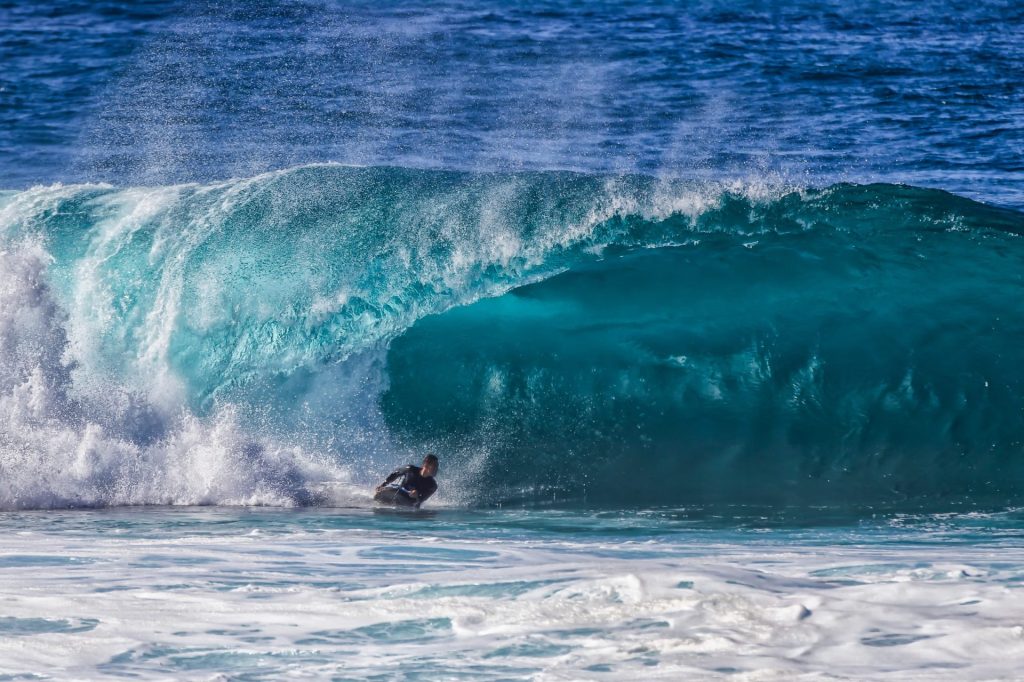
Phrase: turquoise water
(558, 338)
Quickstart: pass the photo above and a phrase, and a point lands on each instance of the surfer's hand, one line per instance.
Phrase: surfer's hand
(413, 493)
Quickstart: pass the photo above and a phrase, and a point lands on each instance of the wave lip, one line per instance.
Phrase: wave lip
(607, 340)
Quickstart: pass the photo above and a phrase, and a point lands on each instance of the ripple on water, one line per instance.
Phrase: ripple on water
(23, 627)
(426, 554)
(868, 569)
(530, 649)
(23, 560)
(246, 664)
(414, 630)
(493, 590)
(892, 639)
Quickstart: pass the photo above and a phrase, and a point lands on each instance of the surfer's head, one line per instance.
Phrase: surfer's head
(429, 467)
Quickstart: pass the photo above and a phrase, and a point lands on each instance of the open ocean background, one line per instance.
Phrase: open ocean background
(713, 312)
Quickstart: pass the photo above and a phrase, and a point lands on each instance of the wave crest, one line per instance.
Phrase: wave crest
(243, 341)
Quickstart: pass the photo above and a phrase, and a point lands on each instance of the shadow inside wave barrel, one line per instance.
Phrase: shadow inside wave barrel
(858, 346)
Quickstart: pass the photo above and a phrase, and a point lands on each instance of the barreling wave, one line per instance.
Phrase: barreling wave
(609, 341)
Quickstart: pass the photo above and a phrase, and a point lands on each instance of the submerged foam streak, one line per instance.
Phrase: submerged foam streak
(245, 341)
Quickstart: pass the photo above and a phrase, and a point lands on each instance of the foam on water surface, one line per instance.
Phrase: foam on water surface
(358, 594)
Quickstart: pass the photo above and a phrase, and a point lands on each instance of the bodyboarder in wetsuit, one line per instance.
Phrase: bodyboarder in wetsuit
(409, 486)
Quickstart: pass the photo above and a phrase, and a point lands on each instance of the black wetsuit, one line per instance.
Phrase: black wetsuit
(398, 492)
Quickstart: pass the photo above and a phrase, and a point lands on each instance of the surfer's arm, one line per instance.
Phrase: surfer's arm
(414, 495)
(423, 496)
(393, 475)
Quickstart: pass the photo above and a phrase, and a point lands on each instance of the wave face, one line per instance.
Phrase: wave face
(609, 341)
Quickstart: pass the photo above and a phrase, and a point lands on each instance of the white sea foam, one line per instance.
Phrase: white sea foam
(194, 594)
(64, 446)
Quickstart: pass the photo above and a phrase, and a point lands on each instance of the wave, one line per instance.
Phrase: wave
(608, 341)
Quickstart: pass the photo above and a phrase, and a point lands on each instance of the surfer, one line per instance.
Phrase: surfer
(416, 484)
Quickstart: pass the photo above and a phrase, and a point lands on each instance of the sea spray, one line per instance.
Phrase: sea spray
(61, 447)
(587, 339)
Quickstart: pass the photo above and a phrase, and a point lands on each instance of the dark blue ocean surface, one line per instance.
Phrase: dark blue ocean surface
(925, 93)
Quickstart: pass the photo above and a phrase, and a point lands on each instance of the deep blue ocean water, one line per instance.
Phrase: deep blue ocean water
(713, 312)
(157, 92)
